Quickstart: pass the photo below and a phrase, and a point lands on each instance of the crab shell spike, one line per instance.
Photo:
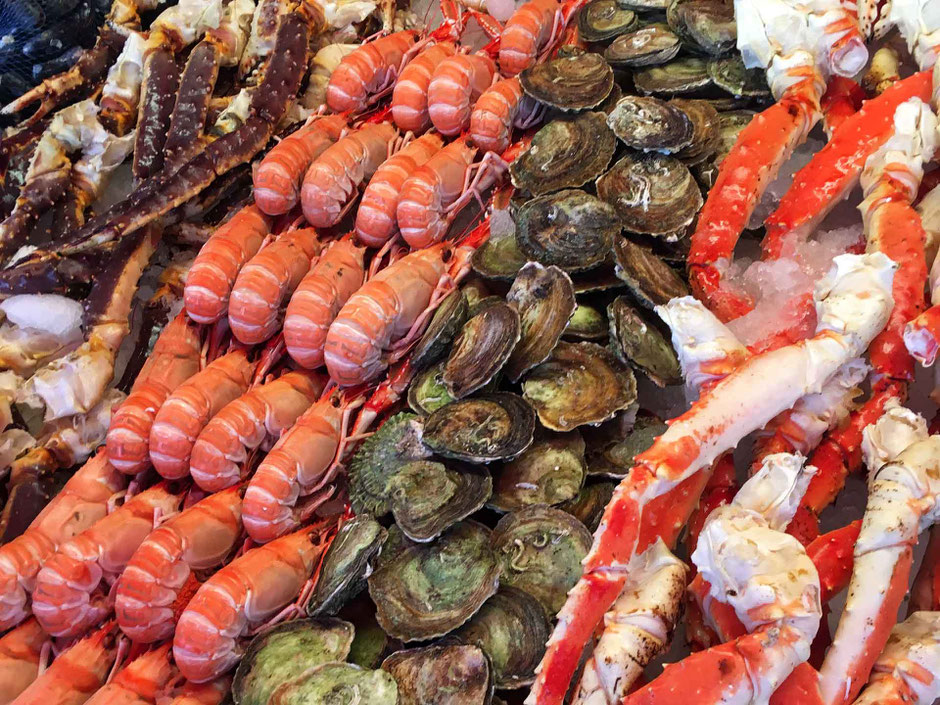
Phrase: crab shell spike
(919, 24)
(896, 429)
(637, 628)
(776, 489)
(901, 159)
(707, 349)
(906, 671)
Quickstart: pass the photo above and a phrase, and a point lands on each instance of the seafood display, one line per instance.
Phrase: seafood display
(472, 352)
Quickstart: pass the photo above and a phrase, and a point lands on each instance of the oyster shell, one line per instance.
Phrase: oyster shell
(651, 125)
(681, 76)
(565, 154)
(641, 344)
(425, 590)
(482, 348)
(730, 74)
(652, 281)
(286, 652)
(339, 684)
(441, 675)
(705, 26)
(549, 472)
(346, 565)
(704, 119)
(600, 20)
(572, 83)
(586, 323)
(540, 550)
(654, 194)
(581, 383)
(652, 45)
(427, 497)
(512, 629)
(588, 507)
(617, 460)
(644, 5)
(489, 427)
(544, 298)
(427, 392)
(445, 324)
(381, 455)
(570, 229)
(498, 258)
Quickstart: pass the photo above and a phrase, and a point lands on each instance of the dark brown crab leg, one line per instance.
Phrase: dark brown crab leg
(14, 174)
(192, 104)
(160, 85)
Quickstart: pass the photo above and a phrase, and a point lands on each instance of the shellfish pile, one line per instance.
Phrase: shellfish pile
(331, 334)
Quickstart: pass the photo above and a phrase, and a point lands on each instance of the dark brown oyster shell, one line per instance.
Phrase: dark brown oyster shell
(652, 45)
(539, 550)
(652, 281)
(588, 507)
(445, 324)
(581, 383)
(489, 427)
(573, 83)
(704, 120)
(458, 674)
(644, 5)
(427, 497)
(425, 590)
(570, 229)
(650, 124)
(544, 298)
(549, 472)
(641, 344)
(730, 125)
(730, 74)
(482, 348)
(682, 76)
(654, 194)
(512, 629)
(347, 564)
(565, 154)
(618, 460)
(600, 20)
(705, 26)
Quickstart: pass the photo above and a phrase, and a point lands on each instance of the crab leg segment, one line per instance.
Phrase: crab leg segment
(906, 672)
(662, 489)
(766, 576)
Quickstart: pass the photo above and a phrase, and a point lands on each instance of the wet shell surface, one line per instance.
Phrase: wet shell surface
(730, 74)
(651, 281)
(458, 674)
(705, 26)
(565, 154)
(346, 565)
(445, 324)
(652, 45)
(572, 83)
(682, 76)
(651, 124)
(482, 348)
(604, 19)
(640, 344)
(427, 392)
(551, 471)
(497, 426)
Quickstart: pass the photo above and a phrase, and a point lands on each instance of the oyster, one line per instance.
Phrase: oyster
(446, 323)
(588, 507)
(704, 120)
(339, 684)
(441, 675)
(539, 550)
(600, 20)
(644, 5)
(648, 46)
(427, 392)
(581, 383)
(512, 629)
(641, 344)
(489, 427)
(480, 305)
(652, 281)
(427, 497)
(617, 460)
(730, 125)
(603, 278)
(688, 74)
(385, 452)
(570, 229)
(572, 83)
(586, 323)
(549, 472)
(705, 26)
(730, 74)
(371, 644)
(650, 124)
(499, 257)
(286, 652)
(544, 298)
(425, 590)
(347, 564)
(654, 194)
(482, 348)
(565, 154)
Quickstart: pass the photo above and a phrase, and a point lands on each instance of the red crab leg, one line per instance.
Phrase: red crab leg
(842, 100)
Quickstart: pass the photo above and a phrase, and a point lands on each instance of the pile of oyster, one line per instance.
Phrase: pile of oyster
(475, 508)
